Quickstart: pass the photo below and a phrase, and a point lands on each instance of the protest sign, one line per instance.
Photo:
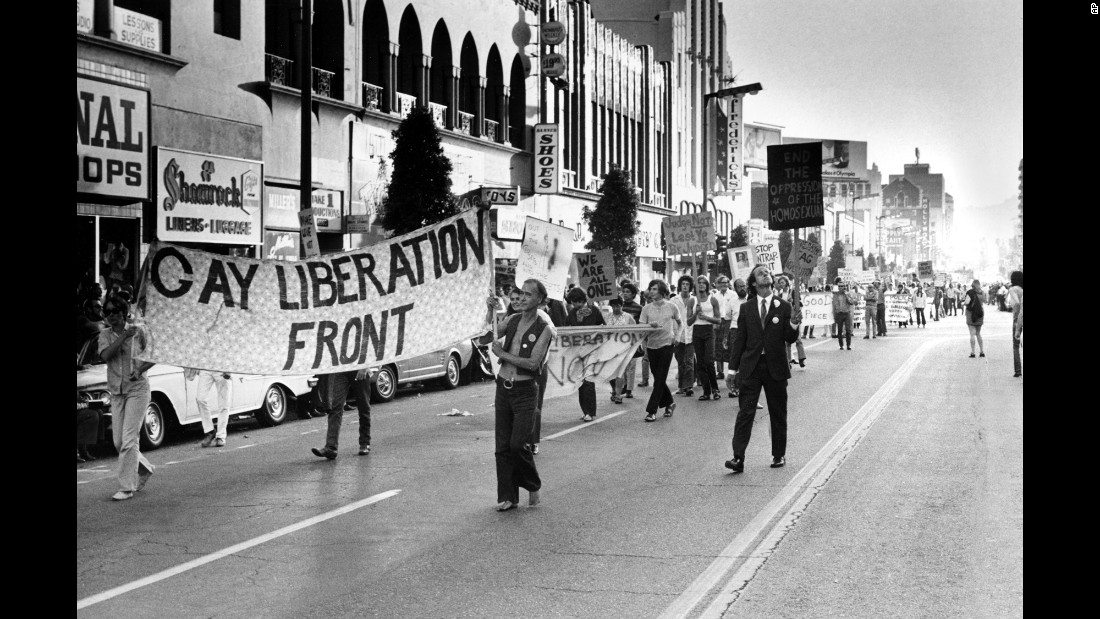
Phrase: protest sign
(740, 262)
(846, 275)
(594, 353)
(924, 270)
(897, 307)
(688, 234)
(940, 280)
(794, 186)
(803, 257)
(596, 274)
(767, 253)
(545, 255)
(817, 309)
(865, 277)
(408, 296)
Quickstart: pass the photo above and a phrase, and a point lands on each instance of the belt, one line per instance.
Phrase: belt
(509, 383)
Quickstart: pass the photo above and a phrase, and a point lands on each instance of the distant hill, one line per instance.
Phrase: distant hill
(994, 221)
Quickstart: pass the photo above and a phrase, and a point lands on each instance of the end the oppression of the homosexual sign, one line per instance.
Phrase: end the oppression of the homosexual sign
(794, 186)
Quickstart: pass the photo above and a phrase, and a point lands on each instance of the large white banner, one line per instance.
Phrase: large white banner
(411, 295)
(596, 353)
(545, 255)
(898, 306)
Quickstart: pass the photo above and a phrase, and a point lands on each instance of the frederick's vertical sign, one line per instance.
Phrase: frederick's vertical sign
(735, 126)
(547, 158)
(112, 139)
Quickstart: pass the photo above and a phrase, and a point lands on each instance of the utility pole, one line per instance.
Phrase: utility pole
(305, 83)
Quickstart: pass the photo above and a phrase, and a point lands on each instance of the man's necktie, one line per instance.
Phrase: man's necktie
(763, 311)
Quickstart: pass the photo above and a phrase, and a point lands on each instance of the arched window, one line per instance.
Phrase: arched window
(376, 56)
(441, 86)
(327, 46)
(410, 55)
(517, 105)
(494, 74)
(469, 86)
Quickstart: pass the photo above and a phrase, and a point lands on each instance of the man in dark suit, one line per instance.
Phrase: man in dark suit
(759, 360)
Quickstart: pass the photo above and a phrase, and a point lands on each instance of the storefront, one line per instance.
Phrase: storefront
(208, 202)
(112, 181)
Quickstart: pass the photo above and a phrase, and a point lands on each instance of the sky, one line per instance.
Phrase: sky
(944, 76)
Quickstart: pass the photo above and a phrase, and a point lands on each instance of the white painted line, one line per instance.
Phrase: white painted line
(310, 431)
(585, 424)
(800, 491)
(247, 446)
(256, 541)
(84, 482)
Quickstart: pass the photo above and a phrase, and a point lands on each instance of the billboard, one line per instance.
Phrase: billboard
(755, 144)
(840, 159)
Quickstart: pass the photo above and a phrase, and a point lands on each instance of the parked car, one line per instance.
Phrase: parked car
(172, 405)
(450, 367)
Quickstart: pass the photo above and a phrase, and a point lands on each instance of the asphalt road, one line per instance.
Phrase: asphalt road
(903, 496)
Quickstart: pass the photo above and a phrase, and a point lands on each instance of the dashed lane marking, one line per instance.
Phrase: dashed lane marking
(256, 541)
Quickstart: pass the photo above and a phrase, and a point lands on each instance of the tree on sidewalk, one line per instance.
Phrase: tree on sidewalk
(739, 237)
(836, 261)
(419, 193)
(871, 264)
(614, 221)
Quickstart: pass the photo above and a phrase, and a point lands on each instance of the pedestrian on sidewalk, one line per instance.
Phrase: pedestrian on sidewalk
(522, 349)
(119, 345)
(1016, 302)
(205, 382)
(583, 313)
(683, 348)
(764, 326)
(666, 318)
(333, 389)
(975, 315)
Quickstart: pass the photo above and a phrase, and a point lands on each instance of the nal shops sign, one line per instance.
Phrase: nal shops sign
(112, 139)
(208, 199)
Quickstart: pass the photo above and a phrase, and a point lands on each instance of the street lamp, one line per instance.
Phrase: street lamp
(871, 195)
(736, 91)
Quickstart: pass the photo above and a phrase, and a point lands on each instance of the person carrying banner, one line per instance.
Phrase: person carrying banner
(765, 326)
(629, 292)
(665, 317)
(618, 318)
(522, 348)
(683, 349)
(119, 346)
(333, 389)
(582, 313)
(219, 383)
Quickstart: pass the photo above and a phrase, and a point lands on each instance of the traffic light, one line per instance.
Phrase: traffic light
(721, 244)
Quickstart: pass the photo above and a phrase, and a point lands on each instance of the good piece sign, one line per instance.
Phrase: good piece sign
(408, 296)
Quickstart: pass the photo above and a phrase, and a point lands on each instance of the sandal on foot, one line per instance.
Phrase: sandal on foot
(505, 506)
(651, 417)
(669, 409)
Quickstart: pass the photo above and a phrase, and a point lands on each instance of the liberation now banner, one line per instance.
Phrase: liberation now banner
(596, 353)
(817, 309)
(545, 255)
(924, 269)
(794, 186)
(395, 300)
(596, 273)
(688, 234)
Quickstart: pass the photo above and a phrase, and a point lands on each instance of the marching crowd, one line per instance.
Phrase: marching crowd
(711, 332)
